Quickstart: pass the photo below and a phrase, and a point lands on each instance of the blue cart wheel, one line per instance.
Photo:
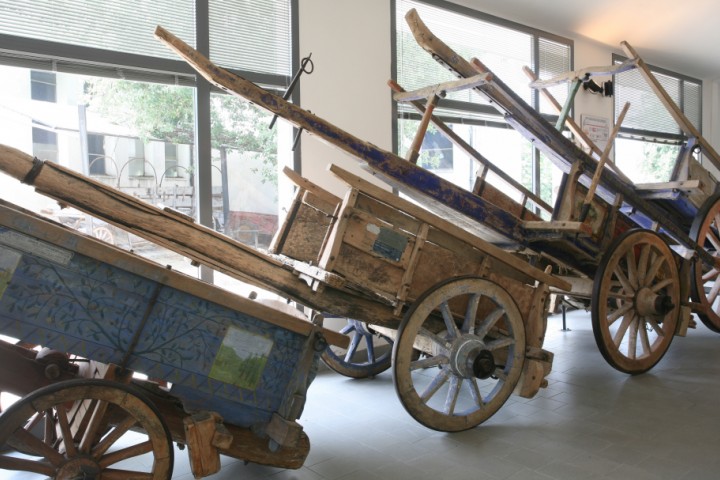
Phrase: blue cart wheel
(636, 301)
(73, 429)
(705, 279)
(368, 354)
(471, 339)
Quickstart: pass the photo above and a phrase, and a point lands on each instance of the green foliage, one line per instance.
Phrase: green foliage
(659, 161)
(166, 113)
(243, 372)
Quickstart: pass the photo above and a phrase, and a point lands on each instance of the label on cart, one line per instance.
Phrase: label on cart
(9, 260)
(241, 358)
(36, 247)
(390, 244)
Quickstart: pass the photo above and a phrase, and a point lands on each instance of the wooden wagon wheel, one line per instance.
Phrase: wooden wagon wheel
(346, 362)
(705, 281)
(71, 429)
(636, 301)
(104, 234)
(472, 341)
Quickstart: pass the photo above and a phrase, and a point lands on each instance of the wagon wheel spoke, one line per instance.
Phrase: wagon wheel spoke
(429, 362)
(370, 350)
(704, 231)
(49, 433)
(487, 352)
(67, 436)
(452, 395)
(624, 280)
(489, 322)
(125, 453)
(347, 363)
(25, 441)
(712, 273)
(475, 392)
(62, 459)
(92, 430)
(654, 269)
(622, 330)
(620, 312)
(435, 385)
(25, 465)
(112, 437)
(471, 314)
(352, 348)
(642, 265)
(644, 340)
(499, 343)
(655, 326)
(634, 333)
(631, 264)
(435, 339)
(449, 320)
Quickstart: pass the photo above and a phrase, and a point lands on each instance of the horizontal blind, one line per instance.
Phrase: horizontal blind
(647, 112)
(252, 36)
(105, 24)
(504, 50)
(554, 59)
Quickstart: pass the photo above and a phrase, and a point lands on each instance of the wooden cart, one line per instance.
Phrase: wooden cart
(238, 369)
(641, 251)
(468, 317)
(594, 233)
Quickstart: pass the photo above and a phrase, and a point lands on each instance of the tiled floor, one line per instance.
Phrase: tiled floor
(591, 422)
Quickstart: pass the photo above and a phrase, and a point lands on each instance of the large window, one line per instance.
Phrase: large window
(649, 140)
(86, 84)
(505, 47)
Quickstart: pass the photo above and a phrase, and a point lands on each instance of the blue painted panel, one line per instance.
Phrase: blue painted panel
(79, 305)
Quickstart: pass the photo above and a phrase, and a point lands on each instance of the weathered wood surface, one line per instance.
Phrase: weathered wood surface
(508, 264)
(34, 226)
(471, 212)
(561, 150)
(194, 241)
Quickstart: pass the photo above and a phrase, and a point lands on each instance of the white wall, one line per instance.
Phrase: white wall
(350, 43)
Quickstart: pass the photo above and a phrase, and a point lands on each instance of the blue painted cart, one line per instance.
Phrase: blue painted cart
(232, 373)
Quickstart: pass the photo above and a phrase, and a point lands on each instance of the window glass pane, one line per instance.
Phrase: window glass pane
(245, 159)
(554, 60)
(123, 121)
(105, 24)
(505, 51)
(645, 162)
(253, 36)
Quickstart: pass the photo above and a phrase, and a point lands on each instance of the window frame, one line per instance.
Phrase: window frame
(454, 111)
(35, 54)
(652, 135)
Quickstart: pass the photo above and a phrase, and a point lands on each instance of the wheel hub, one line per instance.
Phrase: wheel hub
(651, 304)
(469, 358)
(82, 468)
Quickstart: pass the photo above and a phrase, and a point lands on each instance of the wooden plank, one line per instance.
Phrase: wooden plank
(196, 242)
(683, 122)
(32, 225)
(441, 89)
(530, 124)
(684, 185)
(306, 184)
(584, 74)
(445, 226)
(436, 193)
(477, 156)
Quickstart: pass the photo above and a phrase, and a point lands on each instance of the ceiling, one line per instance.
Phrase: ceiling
(683, 36)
